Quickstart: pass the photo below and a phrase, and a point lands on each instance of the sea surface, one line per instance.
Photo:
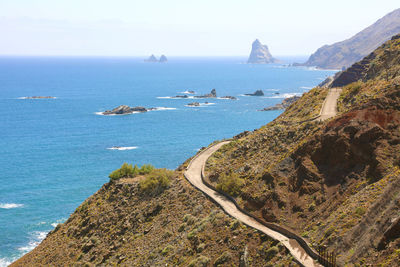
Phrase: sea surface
(54, 153)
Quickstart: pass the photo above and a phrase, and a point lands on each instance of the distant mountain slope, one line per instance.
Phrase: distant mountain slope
(347, 52)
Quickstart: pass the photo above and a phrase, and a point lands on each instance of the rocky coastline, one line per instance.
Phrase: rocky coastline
(285, 104)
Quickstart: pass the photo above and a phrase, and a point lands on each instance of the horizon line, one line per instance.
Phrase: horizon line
(146, 56)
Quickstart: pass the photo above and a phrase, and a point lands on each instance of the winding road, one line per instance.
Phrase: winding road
(195, 170)
(194, 175)
(329, 106)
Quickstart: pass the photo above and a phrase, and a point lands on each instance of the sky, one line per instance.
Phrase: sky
(180, 27)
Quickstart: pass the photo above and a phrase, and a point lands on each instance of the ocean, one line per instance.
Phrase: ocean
(57, 152)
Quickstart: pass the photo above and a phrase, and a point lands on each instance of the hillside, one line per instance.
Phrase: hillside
(121, 225)
(347, 52)
(337, 182)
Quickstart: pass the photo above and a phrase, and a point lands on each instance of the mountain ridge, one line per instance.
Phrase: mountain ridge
(344, 53)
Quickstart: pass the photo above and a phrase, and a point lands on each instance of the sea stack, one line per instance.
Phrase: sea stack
(152, 58)
(260, 54)
(163, 59)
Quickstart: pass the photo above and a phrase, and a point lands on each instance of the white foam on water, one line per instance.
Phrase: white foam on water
(306, 87)
(101, 113)
(202, 105)
(173, 97)
(4, 262)
(187, 92)
(30, 98)
(54, 224)
(36, 238)
(10, 205)
(226, 98)
(163, 108)
(284, 95)
(122, 147)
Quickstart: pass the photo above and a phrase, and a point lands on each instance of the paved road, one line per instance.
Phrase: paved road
(193, 174)
(328, 109)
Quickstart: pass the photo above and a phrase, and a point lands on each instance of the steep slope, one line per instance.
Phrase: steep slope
(120, 225)
(345, 53)
(337, 182)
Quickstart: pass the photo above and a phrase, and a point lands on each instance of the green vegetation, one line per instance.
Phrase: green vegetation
(129, 171)
(156, 181)
(125, 171)
(230, 184)
(201, 261)
(225, 257)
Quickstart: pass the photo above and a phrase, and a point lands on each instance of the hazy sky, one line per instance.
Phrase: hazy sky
(180, 27)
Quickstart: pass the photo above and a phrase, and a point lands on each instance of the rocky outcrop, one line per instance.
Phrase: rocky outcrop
(285, 104)
(260, 54)
(124, 109)
(152, 58)
(229, 97)
(345, 53)
(194, 104)
(163, 59)
(212, 94)
(256, 93)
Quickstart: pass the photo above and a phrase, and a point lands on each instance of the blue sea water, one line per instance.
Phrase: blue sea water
(54, 152)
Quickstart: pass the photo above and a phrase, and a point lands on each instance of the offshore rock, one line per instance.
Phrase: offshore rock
(124, 109)
(260, 54)
(256, 93)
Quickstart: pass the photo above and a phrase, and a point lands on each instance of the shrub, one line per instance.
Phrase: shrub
(230, 184)
(126, 171)
(129, 171)
(360, 211)
(225, 257)
(271, 252)
(146, 169)
(201, 261)
(167, 249)
(156, 181)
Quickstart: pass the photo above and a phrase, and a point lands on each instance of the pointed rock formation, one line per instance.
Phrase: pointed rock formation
(260, 54)
(163, 59)
(152, 58)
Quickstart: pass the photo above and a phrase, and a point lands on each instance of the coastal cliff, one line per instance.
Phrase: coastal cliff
(335, 182)
(345, 53)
